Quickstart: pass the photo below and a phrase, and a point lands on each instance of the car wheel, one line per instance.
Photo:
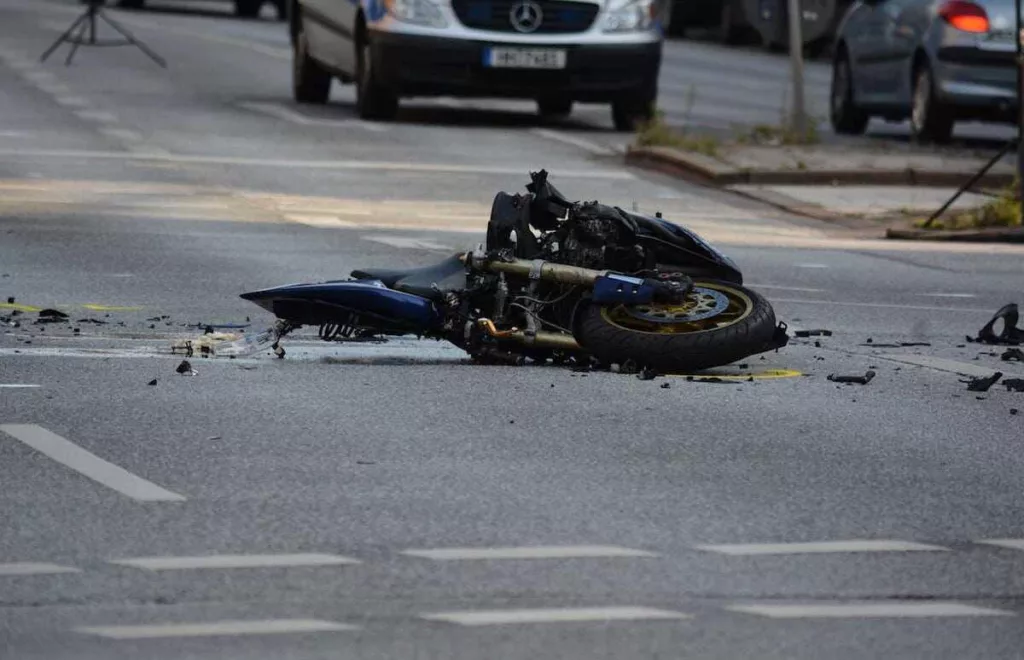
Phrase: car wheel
(373, 100)
(131, 4)
(310, 82)
(629, 113)
(554, 107)
(929, 120)
(846, 117)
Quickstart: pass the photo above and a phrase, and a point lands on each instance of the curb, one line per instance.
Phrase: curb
(990, 235)
(694, 166)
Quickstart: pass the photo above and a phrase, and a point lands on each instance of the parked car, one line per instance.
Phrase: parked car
(555, 52)
(820, 19)
(934, 62)
(244, 8)
(728, 17)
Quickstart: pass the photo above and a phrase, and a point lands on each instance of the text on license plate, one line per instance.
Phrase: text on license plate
(523, 58)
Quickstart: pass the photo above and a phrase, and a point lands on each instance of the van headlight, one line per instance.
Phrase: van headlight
(629, 15)
(421, 12)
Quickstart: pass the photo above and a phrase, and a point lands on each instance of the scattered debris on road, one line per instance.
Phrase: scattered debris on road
(185, 369)
(1012, 354)
(1014, 384)
(152, 382)
(1011, 335)
(51, 316)
(860, 380)
(982, 384)
(813, 333)
(647, 373)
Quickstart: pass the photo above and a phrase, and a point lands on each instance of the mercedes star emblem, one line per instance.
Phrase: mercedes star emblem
(525, 16)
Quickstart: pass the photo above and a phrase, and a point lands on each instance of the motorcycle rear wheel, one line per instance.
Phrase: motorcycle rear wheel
(719, 324)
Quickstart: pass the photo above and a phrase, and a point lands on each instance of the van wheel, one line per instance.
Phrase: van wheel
(373, 100)
(310, 82)
(631, 112)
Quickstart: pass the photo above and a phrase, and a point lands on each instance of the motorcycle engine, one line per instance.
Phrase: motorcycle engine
(600, 237)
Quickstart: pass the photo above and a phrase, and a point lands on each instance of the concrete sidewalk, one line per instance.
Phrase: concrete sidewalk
(863, 186)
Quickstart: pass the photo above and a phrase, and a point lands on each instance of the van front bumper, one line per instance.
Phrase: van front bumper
(415, 65)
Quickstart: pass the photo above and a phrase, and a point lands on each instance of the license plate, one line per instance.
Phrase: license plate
(524, 58)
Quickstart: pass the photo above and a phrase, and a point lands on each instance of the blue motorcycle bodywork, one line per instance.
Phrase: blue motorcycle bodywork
(327, 302)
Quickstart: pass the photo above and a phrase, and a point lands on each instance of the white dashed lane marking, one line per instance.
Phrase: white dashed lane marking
(1013, 544)
(231, 628)
(15, 386)
(87, 464)
(72, 101)
(101, 116)
(234, 561)
(29, 568)
(551, 615)
(819, 547)
(572, 140)
(914, 609)
(281, 112)
(529, 552)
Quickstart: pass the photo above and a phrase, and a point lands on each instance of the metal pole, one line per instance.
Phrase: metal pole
(796, 59)
(1020, 106)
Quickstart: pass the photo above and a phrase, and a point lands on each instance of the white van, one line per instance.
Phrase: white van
(553, 51)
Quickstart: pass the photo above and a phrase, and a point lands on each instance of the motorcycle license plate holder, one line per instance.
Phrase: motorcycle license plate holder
(614, 288)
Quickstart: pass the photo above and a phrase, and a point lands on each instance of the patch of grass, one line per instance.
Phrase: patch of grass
(769, 135)
(1003, 211)
(656, 133)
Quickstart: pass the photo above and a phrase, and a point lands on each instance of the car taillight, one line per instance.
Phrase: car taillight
(964, 15)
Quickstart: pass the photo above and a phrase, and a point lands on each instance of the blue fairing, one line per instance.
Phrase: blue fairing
(331, 302)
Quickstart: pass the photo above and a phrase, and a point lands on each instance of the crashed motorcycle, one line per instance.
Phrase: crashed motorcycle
(561, 281)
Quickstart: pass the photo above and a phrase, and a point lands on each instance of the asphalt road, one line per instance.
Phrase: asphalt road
(392, 500)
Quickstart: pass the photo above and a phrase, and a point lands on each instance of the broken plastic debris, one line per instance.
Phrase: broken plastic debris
(647, 373)
(813, 333)
(249, 343)
(982, 384)
(1012, 354)
(185, 369)
(207, 344)
(51, 316)
(862, 380)
(1014, 384)
(1010, 335)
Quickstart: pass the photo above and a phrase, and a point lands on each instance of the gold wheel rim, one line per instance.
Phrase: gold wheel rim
(739, 308)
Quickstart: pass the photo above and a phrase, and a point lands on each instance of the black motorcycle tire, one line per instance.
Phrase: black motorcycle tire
(678, 353)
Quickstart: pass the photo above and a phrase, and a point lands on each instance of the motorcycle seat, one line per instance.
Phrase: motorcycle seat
(430, 282)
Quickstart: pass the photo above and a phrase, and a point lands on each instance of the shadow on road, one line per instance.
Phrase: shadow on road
(900, 137)
(419, 111)
(202, 12)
